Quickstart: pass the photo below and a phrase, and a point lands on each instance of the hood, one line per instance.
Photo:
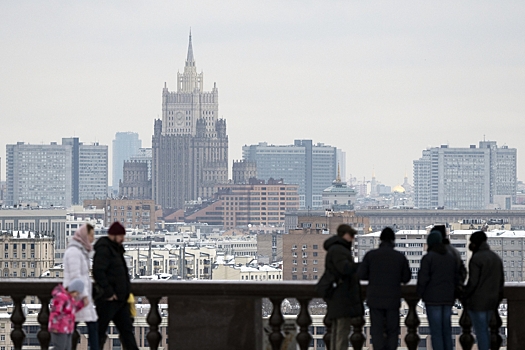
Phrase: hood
(387, 244)
(58, 289)
(336, 240)
(105, 241)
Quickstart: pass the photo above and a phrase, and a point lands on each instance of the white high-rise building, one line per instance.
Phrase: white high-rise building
(56, 175)
(481, 177)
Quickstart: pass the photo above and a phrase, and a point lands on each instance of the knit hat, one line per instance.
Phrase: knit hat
(76, 286)
(116, 229)
(478, 237)
(387, 235)
(434, 238)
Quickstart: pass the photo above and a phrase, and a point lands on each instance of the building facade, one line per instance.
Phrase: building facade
(312, 167)
(190, 145)
(256, 203)
(25, 253)
(56, 175)
(303, 254)
(466, 178)
(135, 183)
(243, 171)
(131, 213)
(125, 145)
(45, 222)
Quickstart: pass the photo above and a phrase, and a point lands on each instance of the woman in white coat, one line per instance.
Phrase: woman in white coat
(76, 265)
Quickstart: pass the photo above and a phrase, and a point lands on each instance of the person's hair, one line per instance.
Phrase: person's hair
(344, 229)
(89, 227)
(387, 235)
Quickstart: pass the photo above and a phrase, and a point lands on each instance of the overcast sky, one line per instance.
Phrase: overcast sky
(380, 80)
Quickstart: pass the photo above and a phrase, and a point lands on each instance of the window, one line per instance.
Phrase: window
(315, 246)
(315, 262)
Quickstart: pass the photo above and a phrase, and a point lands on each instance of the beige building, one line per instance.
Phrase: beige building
(303, 254)
(25, 254)
(270, 247)
(326, 220)
(132, 213)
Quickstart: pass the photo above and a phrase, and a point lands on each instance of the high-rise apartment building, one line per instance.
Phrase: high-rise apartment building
(125, 145)
(481, 177)
(190, 145)
(56, 175)
(312, 167)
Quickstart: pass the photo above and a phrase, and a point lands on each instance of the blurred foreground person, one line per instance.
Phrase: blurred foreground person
(111, 274)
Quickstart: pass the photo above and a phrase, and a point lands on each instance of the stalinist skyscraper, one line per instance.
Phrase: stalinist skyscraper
(190, 145)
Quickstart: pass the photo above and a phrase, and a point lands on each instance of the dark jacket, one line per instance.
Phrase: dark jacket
(484, 289)
(438, 276)
(109, 269)
(461, 266)
(385, 269)
(346, 300)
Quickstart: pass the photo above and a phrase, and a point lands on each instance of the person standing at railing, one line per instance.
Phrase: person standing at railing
(484, 290)
(345, 302)
(111, 274)
(436, 282)
(76, 265)
(384, 269)
(450, 248)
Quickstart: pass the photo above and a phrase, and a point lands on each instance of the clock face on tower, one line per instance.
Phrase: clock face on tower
(179, 118)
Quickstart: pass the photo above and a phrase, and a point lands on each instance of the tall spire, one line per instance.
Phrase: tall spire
(190, 61)
(338, 179)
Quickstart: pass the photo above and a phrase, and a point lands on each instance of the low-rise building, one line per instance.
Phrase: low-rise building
(131, 213)
(25, 253)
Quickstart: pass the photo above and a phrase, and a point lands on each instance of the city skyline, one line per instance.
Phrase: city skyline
(390, 73)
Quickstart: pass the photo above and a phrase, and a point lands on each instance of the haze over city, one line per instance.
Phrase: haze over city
(380, 81)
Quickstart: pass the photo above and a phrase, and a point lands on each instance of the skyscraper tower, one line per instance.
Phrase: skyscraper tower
(125, 145)
(190, 145)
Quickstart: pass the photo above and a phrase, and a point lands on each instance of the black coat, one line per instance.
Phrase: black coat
(384, 269)
(438, 276)
(484, 289)
(109, 269)
(346, 300)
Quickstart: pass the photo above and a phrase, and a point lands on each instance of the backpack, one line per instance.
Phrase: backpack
(327, 284)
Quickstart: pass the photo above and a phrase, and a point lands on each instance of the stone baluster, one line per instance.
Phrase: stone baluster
(18, 319)
(43, 334)
(276, 321)
(412, 322)
(357, 338)
(304, 321)
(154, 321)
(466, 339)
(327, 337)
(495, 336)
